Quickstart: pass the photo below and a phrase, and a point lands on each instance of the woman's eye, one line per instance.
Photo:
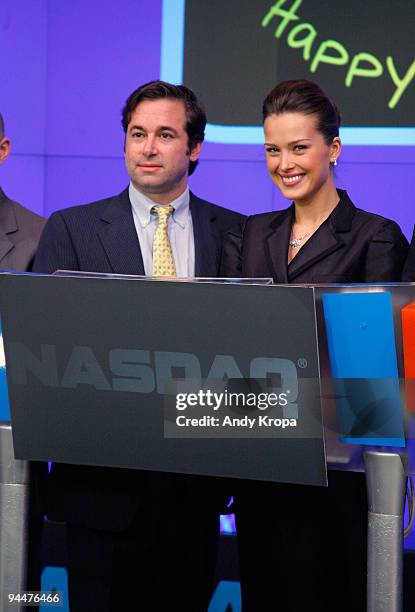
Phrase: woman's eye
(300, 148)
(272, 150)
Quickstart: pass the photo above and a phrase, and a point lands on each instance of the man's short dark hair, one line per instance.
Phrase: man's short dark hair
(156, 90)
(1, 126)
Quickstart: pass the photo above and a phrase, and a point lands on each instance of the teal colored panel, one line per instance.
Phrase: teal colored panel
(226, 598)
(4, 394)
(361, 342)
(55, 579)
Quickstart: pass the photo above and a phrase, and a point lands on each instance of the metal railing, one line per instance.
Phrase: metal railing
(14, 508)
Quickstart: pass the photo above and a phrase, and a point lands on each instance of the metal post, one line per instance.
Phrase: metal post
(14, 506)
(385, 481)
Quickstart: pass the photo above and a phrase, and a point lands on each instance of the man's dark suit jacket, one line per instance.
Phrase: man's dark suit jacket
(20, 230)
(101, 237)
(351, 246)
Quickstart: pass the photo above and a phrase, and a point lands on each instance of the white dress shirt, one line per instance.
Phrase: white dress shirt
(180, 229)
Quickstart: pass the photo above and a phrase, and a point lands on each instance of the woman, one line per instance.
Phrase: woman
(304, 548)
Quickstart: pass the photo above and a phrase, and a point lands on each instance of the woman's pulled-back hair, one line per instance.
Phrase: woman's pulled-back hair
(306, 97)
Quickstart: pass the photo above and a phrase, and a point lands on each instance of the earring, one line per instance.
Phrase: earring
(334, 162)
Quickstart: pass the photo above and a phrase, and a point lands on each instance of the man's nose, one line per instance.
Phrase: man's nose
(150, 146)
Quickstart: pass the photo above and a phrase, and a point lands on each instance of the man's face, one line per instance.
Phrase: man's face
(156, 149)
(4, 149)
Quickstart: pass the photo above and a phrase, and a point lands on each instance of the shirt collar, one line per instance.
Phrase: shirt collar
(142, 206)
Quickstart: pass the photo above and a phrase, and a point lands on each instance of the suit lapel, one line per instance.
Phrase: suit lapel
(119, 237)
(277, 244)
(206, 237)
(319, 246)
(120, 242)
(8, 225)
(326, 239)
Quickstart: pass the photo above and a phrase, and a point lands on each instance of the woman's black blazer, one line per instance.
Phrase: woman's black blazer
(351, 246)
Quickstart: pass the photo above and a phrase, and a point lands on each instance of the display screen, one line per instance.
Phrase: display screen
(248, 47)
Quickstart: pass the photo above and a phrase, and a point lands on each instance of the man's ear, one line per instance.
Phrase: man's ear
(4, 149)
(195, 152)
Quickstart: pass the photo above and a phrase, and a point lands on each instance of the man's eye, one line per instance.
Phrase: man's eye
(137, 134)
(166, 135)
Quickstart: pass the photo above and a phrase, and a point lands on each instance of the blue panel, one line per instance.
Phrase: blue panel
(363, 362)
(172, 40)
(4, 394)
(356, 136)
(55, 579)
(227, 596)
(378, 136)
(235, 134)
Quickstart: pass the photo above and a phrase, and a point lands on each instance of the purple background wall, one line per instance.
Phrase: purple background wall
(66, 69)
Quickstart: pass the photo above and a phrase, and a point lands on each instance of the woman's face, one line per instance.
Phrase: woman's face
(298, 157)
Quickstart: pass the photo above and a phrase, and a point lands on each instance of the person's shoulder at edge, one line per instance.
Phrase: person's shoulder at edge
(25, 214)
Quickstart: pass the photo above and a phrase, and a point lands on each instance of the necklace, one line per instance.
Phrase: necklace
(296, 242)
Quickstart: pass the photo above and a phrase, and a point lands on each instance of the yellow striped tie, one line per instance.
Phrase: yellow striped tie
(163, 260)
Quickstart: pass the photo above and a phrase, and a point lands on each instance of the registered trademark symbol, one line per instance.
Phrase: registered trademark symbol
(302, 362)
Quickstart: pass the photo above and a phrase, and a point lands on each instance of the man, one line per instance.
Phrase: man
(137, 540)
(20, 229)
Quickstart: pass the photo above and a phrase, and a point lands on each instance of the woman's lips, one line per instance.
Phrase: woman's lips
(292, 179)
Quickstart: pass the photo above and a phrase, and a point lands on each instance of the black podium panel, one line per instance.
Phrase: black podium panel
(90, 362)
